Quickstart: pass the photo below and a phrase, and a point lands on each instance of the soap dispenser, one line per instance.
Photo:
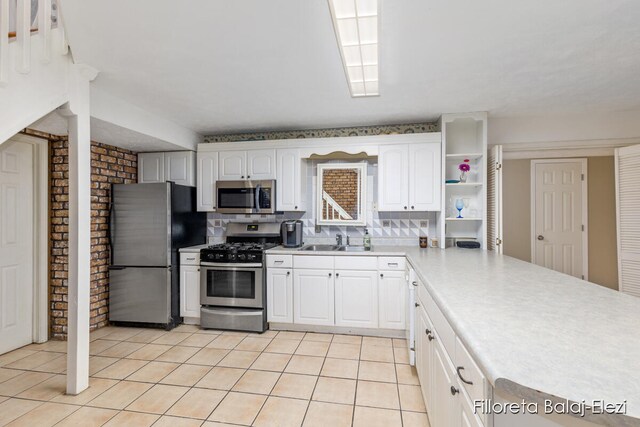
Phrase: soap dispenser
(367, 240)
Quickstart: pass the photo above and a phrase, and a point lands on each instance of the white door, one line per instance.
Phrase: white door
(279, 295)
(313, 296)
(178, 167)
(356, 298)
(628, 215)
(189, 291)
(232, 165)
(494, 200)
(207, 171)
(288, 180)
(261, 164)
(393, 178)
(425, 178)
(559, 215)
(392, 300)
(16, 245)
(151, 167)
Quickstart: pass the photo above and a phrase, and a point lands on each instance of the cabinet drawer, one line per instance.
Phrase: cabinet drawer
(391, 263)
(279, 261)
(367, 263)
(468, 372)
(314, 262)
(190, 258)
(440, 323)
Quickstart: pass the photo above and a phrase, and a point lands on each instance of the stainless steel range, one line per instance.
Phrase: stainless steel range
(233, 291)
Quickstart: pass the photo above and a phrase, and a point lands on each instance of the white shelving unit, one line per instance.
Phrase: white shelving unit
(464, 136)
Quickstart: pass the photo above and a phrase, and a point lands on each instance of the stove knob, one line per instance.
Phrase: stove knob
(242, 256)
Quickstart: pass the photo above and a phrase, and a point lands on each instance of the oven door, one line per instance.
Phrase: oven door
(232, 285)
(246, 197)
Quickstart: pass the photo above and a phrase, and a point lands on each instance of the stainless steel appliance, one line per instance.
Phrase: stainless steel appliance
(246, 197)
(291, 233)
(233, 290)
(148, 224)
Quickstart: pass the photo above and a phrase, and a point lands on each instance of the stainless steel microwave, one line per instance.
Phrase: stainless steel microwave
(246, 197)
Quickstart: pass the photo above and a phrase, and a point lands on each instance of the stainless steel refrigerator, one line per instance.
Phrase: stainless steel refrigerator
(148, 224)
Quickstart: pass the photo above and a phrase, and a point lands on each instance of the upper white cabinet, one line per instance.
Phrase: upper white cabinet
(176, 166)
(233, 165)
(252, 164)
(206, 180)
(291, 179)
(409, 177)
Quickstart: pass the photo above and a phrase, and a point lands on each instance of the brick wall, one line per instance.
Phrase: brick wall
(109, 165)
(342, 186)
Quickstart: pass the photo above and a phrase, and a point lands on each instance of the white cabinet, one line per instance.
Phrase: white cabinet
(150, 167)
(280, 295)
(233, 165)
(291, 180)
(424, 177)
(356, 298)
(393, 180)
(313, 296)
(190, 291)
(445, 408)
(409, 177)
(176, 166)
(392, 301)
(207, 162)
(261, 164)
(424, 355)
(252, 164)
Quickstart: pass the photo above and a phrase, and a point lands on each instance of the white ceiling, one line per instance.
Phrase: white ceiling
(227, 66)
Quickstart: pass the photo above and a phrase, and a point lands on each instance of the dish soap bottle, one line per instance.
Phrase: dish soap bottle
(367, 240)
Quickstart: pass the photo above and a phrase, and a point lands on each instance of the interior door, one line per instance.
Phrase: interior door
(628, 214)
(559, 215)
(16, 245)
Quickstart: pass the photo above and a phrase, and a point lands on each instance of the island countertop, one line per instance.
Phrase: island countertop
(534, 332)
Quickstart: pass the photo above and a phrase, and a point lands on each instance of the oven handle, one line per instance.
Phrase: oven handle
(229, 266)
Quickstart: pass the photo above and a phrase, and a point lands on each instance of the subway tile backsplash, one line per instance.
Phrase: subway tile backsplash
(386, 228)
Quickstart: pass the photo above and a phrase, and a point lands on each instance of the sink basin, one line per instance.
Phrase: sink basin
(351, 249)
(320, 248)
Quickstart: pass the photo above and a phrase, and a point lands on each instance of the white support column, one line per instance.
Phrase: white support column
(77, 111)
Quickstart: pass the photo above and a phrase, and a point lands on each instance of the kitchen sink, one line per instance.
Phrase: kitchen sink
(351, 249)
(320, 248)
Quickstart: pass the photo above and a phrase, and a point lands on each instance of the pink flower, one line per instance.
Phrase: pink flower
(465, 167)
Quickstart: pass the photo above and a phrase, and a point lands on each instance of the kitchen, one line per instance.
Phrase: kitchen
(338, 255)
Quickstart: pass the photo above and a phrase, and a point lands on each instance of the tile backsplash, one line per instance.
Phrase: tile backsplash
(386, 228)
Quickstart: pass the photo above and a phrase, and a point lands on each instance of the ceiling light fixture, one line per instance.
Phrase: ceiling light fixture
(356, 25)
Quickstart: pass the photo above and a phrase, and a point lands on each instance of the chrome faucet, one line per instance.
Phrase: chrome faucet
(339, 239)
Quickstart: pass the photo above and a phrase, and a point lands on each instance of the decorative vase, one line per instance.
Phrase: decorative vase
(463, 176)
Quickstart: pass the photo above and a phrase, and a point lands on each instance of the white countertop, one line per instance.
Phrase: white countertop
(193, 249)
(534, 332)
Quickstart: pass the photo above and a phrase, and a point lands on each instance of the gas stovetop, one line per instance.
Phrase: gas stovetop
(248, 252)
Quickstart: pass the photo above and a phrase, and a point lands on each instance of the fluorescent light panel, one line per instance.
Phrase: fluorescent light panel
(356, 26)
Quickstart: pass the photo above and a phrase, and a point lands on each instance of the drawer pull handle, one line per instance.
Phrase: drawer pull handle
(381, 275)
(414, 283)
(417, 304)
(427, 331)
(278, 262)
(329, 274)
(461, 368)
(431, 337)
(454, 391)
(288, 273)
(392, 264)
(337, 274)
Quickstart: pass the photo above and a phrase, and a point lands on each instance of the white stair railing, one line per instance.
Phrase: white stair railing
(20, 20)
(334, 208)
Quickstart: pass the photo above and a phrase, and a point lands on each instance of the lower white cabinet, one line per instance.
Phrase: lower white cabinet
(424, 343)
(190, 291)
(445, 400)
(356, 297)
(392, 300)
(280, 295)
(313, 297)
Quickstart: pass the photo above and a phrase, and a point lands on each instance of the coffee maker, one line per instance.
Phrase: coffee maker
(291, 232)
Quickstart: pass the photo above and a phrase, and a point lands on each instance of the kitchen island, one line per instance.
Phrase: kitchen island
(534, 333)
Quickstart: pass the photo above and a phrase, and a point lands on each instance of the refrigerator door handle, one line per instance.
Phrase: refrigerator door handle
(112, 223)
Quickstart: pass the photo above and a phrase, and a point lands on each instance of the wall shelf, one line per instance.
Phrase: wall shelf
(464, 184)
(464, 219)
(470, 156)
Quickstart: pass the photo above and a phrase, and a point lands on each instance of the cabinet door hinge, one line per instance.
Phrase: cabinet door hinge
(582, 177)
(582, 227)
(498, 166)
(498, 241)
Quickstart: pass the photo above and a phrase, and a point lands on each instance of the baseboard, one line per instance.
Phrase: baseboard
(373, 332)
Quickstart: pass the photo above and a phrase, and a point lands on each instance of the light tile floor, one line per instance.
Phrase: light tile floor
(193, 377)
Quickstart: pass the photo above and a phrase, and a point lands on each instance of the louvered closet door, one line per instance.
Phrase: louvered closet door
(628, 211)
(494, 200)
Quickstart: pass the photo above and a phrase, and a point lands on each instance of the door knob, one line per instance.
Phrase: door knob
(540, 237)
